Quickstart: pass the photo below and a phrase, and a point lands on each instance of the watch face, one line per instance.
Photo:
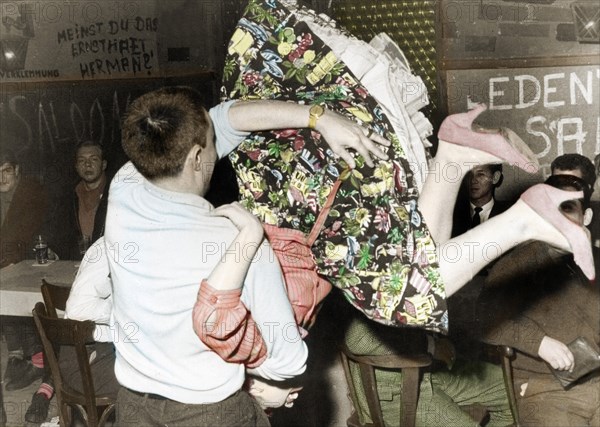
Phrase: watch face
(317, 110)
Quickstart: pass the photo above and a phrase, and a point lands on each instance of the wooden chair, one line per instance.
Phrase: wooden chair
(411, 377)
(411, 366)
(54, 333)
(55, 297)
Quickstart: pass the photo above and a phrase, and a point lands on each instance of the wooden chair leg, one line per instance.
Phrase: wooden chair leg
(367, 374)
(509, 385)
(66, 415)
(410, 396)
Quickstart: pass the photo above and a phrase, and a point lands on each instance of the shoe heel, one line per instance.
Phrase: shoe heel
(454, 126)
(504, 144)
(545, 200)
(466, 119)
(534, 196)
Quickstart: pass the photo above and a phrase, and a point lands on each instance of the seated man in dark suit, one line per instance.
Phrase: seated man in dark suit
(537, 300)
(481, 184)
(476, 204)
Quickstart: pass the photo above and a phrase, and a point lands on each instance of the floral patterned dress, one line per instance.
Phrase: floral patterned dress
(368, 237)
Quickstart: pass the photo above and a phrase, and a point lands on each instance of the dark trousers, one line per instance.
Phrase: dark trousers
(238, 410)
(102, 366)
(21, 334)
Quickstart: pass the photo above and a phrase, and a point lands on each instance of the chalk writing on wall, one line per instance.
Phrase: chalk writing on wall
(108, 48)
(45, 126)
(72, 43)
(44, 122)
(554, 109)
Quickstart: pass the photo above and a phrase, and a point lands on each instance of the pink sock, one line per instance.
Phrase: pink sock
(37, 360)
(47, 390)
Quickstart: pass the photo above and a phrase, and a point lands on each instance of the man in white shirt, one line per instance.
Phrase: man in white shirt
(163, 238)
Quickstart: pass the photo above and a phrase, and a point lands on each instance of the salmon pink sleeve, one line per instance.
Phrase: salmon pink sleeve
(233, 334)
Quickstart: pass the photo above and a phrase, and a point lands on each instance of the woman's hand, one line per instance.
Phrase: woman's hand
(557, 354)
(242, 219)
(342, 133)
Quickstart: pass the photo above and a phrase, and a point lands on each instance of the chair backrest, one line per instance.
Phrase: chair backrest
(56, 333)
(55, 297)
(410, 366)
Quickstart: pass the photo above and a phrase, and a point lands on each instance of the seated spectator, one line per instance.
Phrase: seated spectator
(537, 300)
(89, 299)
(480, 204)
(90, 196)
(82, 210)
(575, 164)
(444, 389)
(85, 215)
(475, 205)
(23, 207)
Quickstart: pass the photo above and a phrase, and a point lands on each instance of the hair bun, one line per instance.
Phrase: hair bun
(156, 124)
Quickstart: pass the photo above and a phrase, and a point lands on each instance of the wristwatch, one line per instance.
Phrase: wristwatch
(315, 112)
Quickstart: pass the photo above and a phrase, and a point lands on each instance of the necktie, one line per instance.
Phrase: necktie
(476, 220)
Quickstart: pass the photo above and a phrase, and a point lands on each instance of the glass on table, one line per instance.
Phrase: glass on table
(41, 250)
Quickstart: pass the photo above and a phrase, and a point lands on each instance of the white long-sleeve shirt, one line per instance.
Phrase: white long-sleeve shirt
(90, 297)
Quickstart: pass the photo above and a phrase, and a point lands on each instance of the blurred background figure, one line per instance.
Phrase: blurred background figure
(22, 207)
(85, 206)
(480, 188)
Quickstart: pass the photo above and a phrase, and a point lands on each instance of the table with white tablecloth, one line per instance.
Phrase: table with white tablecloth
(20, 283)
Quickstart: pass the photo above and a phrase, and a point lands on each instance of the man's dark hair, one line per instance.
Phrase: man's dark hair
(493, 168)
(565, 182)
(575, 161)
(160, 129)
(8, 156)
(89, 143)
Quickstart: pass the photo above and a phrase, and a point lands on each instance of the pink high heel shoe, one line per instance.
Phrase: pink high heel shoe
(545, 200)
(502, 143)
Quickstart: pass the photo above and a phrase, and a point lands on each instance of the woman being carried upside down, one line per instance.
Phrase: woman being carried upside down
(378, 229)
